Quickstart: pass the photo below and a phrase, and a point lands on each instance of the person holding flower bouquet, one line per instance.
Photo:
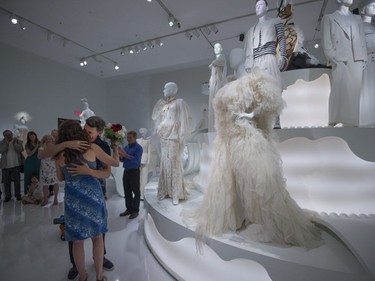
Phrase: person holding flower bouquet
(115, 133)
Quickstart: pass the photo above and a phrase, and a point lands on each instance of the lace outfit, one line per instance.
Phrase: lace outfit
(47, 171)
(246, 185)
(173, 131)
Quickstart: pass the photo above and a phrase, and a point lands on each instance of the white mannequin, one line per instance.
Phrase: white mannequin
(20, 131)
(173, 130)
(86, 113)
(260, 45)
(367, 112)
(345, 49)
(145, 161)
(236, 62)
(217, 80)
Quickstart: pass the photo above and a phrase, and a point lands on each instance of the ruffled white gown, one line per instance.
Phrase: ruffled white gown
(246, 185)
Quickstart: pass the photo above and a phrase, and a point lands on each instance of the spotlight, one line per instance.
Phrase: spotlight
(149, 0)
(214, 29)
(206, 30)
(316, 45)
(136, 49)
(22, 25)
(116, 66)
(143, 47)
(188, 35)
(83, 62)
(13, 19)
(130, 50)
(171, 21)
(122, 52)
(196, 33)
(158, 42)
(150, 44)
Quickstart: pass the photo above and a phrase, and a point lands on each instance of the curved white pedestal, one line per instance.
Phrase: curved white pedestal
(331, 261)
(193, 266)
(323, 175)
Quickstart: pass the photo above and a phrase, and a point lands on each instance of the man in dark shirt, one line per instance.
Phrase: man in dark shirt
(131, 156)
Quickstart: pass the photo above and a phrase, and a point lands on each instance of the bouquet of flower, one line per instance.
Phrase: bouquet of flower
(115, 132)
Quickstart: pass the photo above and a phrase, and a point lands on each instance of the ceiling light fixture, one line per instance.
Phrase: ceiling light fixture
(122, 52)
(188, 35)
(83, 62)
(13, 19)
(196, 33)
(171, 21)
(116, 66)
(130, 50)
(149, 0)
(22, 25)
(214, 29)
(159, 42)
(206, 30)
(143, 46)
(150, 44)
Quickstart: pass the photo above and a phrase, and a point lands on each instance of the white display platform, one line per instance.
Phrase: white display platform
(306, 97)
(332, 261)
(322, 174)
(206, 266)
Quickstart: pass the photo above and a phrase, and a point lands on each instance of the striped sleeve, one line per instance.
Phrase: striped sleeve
(280, 33)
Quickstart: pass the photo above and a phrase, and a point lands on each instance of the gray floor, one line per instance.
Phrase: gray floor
(31, 249)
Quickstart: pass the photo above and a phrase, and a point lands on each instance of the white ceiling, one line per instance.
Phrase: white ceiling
(98, 26)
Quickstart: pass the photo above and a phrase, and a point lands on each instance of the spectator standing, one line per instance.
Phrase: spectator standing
(11, 158)
(131, 157)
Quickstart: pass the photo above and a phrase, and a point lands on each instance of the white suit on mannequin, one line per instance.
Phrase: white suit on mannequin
(173, 130)
(260, 45)
(145, 161)
(217, 80)
(367, 111)
(345, 49)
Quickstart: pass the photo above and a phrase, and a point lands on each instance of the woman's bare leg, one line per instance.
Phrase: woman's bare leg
(98, 252)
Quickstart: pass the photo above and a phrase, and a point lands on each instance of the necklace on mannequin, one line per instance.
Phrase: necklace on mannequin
(168, 102)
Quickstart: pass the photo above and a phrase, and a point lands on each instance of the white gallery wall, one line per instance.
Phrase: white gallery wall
(131, 100)
(44, 89)
(48, 91)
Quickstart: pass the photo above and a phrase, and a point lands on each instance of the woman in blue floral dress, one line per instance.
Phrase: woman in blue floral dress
(85, 210)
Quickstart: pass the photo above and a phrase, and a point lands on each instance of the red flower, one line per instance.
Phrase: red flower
(116, 127)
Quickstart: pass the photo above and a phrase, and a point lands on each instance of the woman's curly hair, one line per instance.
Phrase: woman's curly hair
(71, 130)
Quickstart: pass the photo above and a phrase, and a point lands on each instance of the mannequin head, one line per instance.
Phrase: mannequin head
(143, 132)
(23, 120)
(346, 3)
(367, 8)
(236, 57)
(261, 7)
(218, 49)
(170, 89)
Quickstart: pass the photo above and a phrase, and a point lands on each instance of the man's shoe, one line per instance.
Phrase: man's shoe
(7, 199)
(133, 216)
(124, 214)
(19, 198)
(73, 273)
(108, 265)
